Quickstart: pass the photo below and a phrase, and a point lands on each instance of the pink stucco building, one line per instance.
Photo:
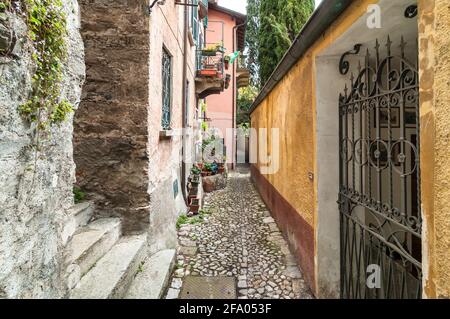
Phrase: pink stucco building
(227, 26)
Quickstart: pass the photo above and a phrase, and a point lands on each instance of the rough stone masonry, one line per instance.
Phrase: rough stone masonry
(111, 131)
(35, 187)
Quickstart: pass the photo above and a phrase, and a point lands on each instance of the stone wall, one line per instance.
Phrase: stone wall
(434, 54)
(35, 187)
(111, 131)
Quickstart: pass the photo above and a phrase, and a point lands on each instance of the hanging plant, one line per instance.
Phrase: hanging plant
(203, 106)
(48, 31)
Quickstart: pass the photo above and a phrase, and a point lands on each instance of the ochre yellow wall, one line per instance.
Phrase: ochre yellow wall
(434, 54)
(291, 107)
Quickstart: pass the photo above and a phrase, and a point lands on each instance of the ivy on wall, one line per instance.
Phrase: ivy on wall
(47, 30)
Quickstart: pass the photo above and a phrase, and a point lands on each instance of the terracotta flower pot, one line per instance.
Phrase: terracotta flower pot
(194, 205)
(193, 191)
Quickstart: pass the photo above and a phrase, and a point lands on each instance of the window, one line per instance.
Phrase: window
(166, 89)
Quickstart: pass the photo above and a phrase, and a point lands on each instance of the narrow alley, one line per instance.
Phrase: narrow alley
(237, 239)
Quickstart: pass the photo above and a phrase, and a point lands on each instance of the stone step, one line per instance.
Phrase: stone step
(111, 277)
(78, 216)
(88, 245)
(151, 282)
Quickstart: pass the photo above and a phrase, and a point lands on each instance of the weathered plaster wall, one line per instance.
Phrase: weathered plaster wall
(165, 155)
(35, 188)
(111, 125)
(434, 47)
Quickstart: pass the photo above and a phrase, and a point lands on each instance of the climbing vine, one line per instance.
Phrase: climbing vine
(46, 21)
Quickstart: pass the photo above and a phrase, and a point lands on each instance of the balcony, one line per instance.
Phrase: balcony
(242, 72)
(210, 71)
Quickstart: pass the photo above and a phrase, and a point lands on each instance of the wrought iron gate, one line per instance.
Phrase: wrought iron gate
(379, 195)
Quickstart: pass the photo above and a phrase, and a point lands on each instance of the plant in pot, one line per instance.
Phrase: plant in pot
(193, 190)
(226, 62)
(195, 170)
(227, 81)
(212, 49)
(194, 205)
(207, 169)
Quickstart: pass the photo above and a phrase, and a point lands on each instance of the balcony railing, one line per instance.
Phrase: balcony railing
(210, 63)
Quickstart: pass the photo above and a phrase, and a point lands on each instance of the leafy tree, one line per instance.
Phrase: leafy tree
(251, 40)
(246, 96)
(279, 23)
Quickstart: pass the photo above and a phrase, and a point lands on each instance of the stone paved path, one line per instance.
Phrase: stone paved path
(239, 239)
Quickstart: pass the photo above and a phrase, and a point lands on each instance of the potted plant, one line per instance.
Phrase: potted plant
(207, 169)
(195, 180)
(195, 170)
(191, 197)
(194, 205)
(193, 190)
(226, 62)
(227, 81)
(210, 50)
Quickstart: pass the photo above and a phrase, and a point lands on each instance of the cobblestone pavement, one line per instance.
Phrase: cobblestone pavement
(239, 239)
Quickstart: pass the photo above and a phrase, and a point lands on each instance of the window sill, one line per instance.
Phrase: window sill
(166, 134)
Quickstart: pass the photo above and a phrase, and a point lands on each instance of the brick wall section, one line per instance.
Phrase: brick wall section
(111, 124)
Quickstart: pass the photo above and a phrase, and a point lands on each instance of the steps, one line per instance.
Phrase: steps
(88, 245)
(151, 282)
(113, 273)
(102, 264)
(78, 216)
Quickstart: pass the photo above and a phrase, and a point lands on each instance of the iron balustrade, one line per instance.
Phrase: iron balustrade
(212, 60)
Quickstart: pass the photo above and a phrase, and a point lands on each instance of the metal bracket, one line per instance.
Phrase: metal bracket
(411, 11)
(344, 66)
(160, 2)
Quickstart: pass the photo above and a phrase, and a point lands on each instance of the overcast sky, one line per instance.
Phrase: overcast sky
(240, 5)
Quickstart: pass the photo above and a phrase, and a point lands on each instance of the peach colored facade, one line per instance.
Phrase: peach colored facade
(221, 107)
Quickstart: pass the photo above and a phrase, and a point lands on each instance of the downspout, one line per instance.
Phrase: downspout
(234, 146)
(183, 103)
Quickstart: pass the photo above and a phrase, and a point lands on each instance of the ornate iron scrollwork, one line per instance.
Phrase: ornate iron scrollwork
(379, 197)
(344, 65)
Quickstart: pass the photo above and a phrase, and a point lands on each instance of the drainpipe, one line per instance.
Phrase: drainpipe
(234, 146)
(183, 103)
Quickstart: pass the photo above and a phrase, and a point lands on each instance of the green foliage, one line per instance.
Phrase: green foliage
(246, 96)
(79, 195)
(203, 106)
(208, 167)
(251, 40)
(47, 30)
(198, 219)
(195, 170)
(280, 22)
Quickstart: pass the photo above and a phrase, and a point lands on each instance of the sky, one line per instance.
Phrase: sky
(240, 5)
